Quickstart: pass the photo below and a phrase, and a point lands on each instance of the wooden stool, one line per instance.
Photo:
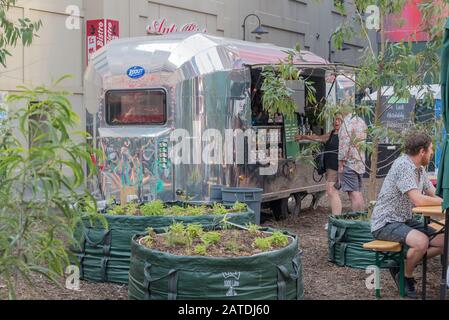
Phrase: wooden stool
(388, 250)
(438, 226)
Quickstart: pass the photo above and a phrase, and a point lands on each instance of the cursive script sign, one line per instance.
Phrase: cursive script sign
(162, 26)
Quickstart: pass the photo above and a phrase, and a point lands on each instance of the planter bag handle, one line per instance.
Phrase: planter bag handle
(342, 261)
(147, 280)
(336, 236)
(104, 267)
(106, 256)
(297, 270)
(172, 282)
(81, 262)
(283, 277)
(107, 240)
(95, 244)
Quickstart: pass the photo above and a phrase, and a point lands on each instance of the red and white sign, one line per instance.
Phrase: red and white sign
(99, 33)
(112, 30)
(162, 26)
(410, 24)
(407, 25)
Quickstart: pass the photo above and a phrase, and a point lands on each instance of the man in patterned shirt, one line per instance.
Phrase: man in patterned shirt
(351, 156)
(406, 186)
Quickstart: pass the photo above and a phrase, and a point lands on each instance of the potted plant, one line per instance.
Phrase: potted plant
(227, 262)
(104, 252)
(346, 235)
(279, 84)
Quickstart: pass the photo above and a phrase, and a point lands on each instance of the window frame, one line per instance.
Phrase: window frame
(107, 109)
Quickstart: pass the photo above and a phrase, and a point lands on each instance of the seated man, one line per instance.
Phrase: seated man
(406, 186)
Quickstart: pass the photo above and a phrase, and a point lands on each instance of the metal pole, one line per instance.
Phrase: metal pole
(244, 23)
(330, 47)
(424, 265)
(244, 30)
(443, 285)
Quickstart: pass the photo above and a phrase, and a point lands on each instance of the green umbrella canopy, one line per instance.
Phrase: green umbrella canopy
(443, 172)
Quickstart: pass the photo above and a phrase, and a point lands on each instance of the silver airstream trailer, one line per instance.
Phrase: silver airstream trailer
(141, 91)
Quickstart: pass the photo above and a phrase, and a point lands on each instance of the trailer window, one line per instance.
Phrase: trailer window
(136, 107)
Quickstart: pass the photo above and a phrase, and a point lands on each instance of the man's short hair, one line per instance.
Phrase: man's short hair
(415, 141)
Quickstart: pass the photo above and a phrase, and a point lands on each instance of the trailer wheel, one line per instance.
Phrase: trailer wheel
(294, 204)
(280, 209)
(316, 198)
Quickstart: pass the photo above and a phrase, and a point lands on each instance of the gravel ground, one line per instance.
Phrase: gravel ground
(43, 289)
(325, 281)
(322, 279)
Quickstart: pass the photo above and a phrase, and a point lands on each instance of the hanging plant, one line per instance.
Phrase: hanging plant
(277, 97)
(277, 94)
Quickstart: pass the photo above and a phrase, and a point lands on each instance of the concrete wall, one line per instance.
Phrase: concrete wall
(58, 51)
(309, 22)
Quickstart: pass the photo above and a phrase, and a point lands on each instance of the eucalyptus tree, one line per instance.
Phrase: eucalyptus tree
(11, 30)
(42, 169)
(395, 65)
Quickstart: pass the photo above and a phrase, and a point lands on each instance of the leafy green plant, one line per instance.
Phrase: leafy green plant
(149, 239)
(116, 210)
(176, 211)
(232, 246)
(110, 202)
(263, 244)
(211, 238)
(195, 211)
(148, 242)
(277, 95)
(219, 209)
(154, 208)
(398, 65)
(239, 207)
(195, 231)
(151, 231)
(131, 209)
(278, 239)
(224, 223)
(42, 163)
(88, 205)
(201, 249)
(23, 29)
(177, 234)
(253, 228)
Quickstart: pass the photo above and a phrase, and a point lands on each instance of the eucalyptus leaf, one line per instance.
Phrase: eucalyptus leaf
(42, 172)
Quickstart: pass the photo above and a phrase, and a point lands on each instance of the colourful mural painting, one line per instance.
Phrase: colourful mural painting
(135, 166)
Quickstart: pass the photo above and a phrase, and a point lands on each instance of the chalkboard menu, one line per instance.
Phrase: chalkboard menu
(290, 132)
(397, 113)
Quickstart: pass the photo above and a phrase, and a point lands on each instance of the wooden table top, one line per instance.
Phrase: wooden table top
(430, 211)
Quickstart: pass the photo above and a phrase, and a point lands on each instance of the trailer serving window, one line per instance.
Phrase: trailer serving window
(136, 107)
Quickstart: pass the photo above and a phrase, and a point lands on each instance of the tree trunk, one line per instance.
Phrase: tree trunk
(372, 187)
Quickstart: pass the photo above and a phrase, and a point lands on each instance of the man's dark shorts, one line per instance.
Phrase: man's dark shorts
(397, 232)
(351, 181)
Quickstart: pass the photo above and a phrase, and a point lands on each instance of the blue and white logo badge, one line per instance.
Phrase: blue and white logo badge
(135, 72)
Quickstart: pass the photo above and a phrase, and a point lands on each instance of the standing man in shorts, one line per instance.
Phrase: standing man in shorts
(351, 158)
(405, 187)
